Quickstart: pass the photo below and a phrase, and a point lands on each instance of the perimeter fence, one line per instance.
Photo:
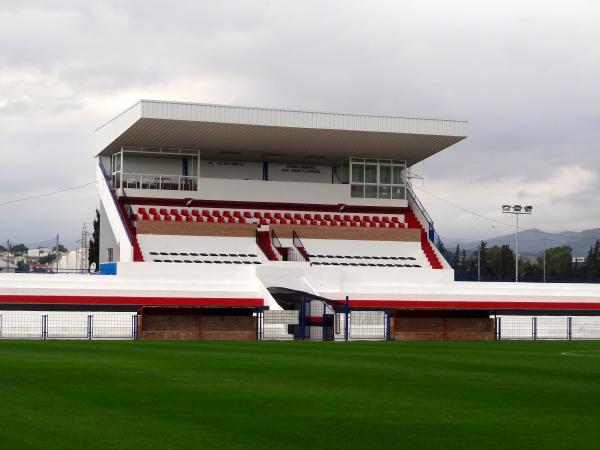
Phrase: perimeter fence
(547, 327)
(25, 325)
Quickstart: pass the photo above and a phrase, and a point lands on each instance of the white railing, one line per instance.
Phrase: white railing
(156, 182)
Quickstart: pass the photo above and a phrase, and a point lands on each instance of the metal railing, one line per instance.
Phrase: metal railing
(157, 182)
(299, 245)
(111, 189)
(547, 327)
(22, 325)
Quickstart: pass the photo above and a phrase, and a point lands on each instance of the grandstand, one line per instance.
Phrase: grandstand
(222, 222)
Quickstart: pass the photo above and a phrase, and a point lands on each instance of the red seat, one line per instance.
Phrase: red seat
(242, 220)
(366, 219)
(185, 213)
(163, 211)
(385, 219)
(354, 224)
(216, 213)
(167, 219)
(226, 213)
(283, 221)
(288, 216)
(347, 218)
(314, 222)
(303, 222)
(278, 216)
(145, 217)
(307, 217)
(174, 212)
(156, 217)
(209, 219)
(152, 211)
(343, 224)
(178, 218)
(373, 224)
(363, 224)
(195, 213)
(298, 216)
(247, 215)
(273, 221)
(268, 215)
(327, 217)
(231, 220)
(189, 219)
(395, 219)
(375, 219)
(136, 217)
(257, 215)
(237, 214)
(264, 222)
(337, 218)
(356, 218)
(221, 219)
(333, 223)
(293, 222)
(205, 213)
(141, 210)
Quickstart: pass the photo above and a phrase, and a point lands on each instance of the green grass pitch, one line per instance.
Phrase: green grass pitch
(300, 395)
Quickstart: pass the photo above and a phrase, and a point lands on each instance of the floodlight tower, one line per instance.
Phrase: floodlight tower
(517, 210)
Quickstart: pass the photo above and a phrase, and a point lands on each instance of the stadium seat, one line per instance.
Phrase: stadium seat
(247, 215)
(298, 216)
(364, 224)
(257, 215)
(163, 211)
(375, 219)
(185, 213)
(156, 217)
(141, 210)
(318, 217)
(278, 216)
(136, 217)
(303, 222)
(288, 216)
(347, 218)
(307, 216)
(216, 213)
(205, 213)
(337, 218)
(209, 219)
(167, 218)
(373, 224)
(356, 218)
(366, 219)
(226, 213)
(152, 211)
(231, 219)
(395, 219)
(189, 219)
(267, 215)
(220, 219)
(174, 212)
(385, 219)
(178, 218)
(314, 222)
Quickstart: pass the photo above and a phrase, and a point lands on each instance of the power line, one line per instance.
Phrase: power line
(48, 194)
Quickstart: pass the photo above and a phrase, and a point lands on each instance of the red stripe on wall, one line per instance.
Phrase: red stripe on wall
(145, 301)
(432, 304)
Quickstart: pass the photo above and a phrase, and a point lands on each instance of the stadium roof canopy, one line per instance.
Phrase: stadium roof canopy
(256, 134)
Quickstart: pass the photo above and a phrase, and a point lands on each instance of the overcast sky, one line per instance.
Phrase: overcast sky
(523, 73)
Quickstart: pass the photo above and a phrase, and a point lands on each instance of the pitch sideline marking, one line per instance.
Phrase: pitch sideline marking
(586, 353)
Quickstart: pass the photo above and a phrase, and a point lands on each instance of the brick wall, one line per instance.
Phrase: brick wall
(442, 328)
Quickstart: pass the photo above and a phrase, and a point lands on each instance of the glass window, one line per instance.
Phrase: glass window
(370, 173)
(358, 173)
(398, 192)
(385, 174)
(384, 191)
(357, 190)
(398, 177)
(370, 191)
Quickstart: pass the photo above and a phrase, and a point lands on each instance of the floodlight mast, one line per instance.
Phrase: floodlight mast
(517, 210)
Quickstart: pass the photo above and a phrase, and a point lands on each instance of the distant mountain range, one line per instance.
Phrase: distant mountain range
(531, 241)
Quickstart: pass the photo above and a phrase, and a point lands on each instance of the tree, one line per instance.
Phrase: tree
(94, 250)
(18, 249)
(559, 262)
(61, 248)
(22, 267)
(2, 248)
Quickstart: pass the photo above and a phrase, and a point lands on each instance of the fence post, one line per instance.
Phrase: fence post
(569, 328)
(302, 318)
(347, 319)
(90, 330)
(388, 325)
(134, 327)
(44, 326)
(499, 328)
(534, 327)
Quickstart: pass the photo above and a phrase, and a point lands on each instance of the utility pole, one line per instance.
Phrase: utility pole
(544, 264)
(7, 255)
(516, 210)
(479, 263)
(57, 253)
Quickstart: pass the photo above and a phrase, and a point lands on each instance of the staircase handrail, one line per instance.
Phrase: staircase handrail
(299, 245)
(115, 200)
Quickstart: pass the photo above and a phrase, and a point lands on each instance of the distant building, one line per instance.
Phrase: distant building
(578, 259)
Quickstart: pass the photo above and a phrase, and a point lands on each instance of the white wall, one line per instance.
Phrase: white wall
(239, 170)
(304, 173)
(123, 250)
